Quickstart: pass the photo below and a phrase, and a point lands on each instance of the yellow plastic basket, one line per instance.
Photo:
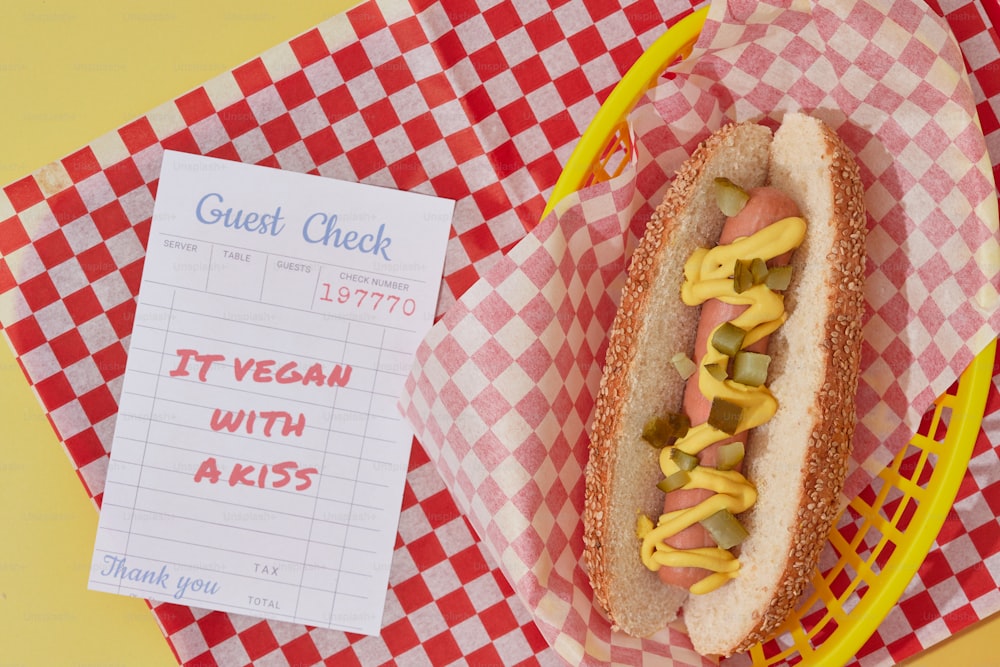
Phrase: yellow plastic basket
(885, 533)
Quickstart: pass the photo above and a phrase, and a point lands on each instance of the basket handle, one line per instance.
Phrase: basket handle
(672, 45)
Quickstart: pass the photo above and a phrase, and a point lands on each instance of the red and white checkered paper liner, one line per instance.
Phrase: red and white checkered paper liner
(480, 103)
(503, 390)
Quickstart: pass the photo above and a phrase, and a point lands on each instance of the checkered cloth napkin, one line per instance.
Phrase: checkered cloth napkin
(481, 103)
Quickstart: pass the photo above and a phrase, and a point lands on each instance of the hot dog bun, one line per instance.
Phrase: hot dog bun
(797, 460)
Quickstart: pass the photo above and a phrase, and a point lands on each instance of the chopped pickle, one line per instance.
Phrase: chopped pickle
(685, 367)
(759, 270)
(728, 339)
(725, 529)
(683, 460)
(717, 371)
(750, 368)
(674, 481)
(663, 431)
(779, 278)
(729, 455)
(724, 415)
(742, 276)
(730, 197)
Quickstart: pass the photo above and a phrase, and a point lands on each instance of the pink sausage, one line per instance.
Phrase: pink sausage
(766, 205)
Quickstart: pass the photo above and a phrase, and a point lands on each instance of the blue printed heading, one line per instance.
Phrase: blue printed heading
(318, 228)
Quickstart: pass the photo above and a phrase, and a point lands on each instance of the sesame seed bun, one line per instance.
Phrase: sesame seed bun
(798, 460)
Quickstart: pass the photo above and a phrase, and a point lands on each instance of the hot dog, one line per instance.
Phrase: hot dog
(642, 549)
(766, 205)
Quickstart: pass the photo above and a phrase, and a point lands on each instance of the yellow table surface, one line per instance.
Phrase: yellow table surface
(70, 72)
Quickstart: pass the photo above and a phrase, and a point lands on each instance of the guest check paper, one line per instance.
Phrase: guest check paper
(259, 459)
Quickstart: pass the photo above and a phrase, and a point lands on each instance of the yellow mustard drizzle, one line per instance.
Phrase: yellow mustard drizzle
(707, 275)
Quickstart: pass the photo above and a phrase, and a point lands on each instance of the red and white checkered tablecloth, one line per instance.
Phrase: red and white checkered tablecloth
(480, 102)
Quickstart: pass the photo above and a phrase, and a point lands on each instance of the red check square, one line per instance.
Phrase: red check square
(55, 392)
(39, 291)
(352, 60)
(309, 48)
(464, 145)
(174, 618)
(426, 551)
(492, 200)
(258, 640)
(182, 141)
(486, 655)
(132, 275)
(573, 87)
(450, 50)
(412, 594)
(365, 159)
(488, 61)
(469, 564)
(23, 193)
(544, 31)
(237, 119)
(98, 404)
(380, 117)
(294, 89)
(587, 44)
(442, 649)
(422, 130)
(456, 607)
(394, 75)
(96, 262)
(498, 620)
(517, 116)
(599, 9)
(69, 347)
(195, 106)
(252, 76)
(67, 205)
(121, 318)
(81, 164)
(502, 19)
(408, 173)
(338, 104)
(12, 236)
(450, 184)
(25, 334)
(83, 305)
(400, 636)
(111, 361)
(216, 627)
(280, 132)
(137, 135)
(124, 176)
(323, 145)
(110, 219)
(408, 34)
(7, 279)
(366, 19)
(559, 129)
(436, 90)
(302, 651)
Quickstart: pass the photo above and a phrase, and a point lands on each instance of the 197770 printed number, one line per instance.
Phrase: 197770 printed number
(368, 299)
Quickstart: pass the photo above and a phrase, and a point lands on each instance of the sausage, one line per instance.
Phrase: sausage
(766, 205)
